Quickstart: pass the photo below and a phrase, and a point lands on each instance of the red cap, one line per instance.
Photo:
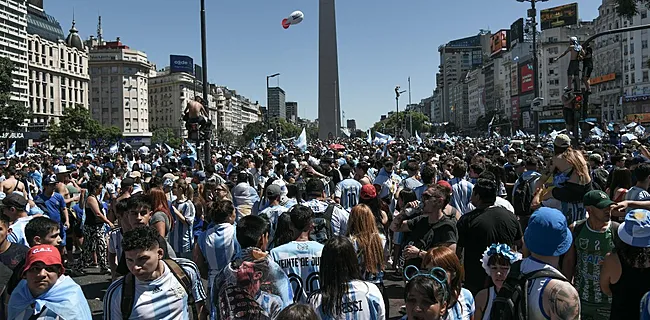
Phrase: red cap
(368, 192)
(45, 253)
(444, 184)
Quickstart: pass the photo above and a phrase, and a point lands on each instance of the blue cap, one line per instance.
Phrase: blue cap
(547, 233)
(635, 230)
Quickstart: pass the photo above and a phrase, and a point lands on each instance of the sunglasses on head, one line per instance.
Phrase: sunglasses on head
(438, 274)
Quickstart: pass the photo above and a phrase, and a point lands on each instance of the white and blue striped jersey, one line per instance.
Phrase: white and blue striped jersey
(636, 194)
(115, 242)
(300, 261)
(180, 236)
(218, 246)
(271, 214)
(461, 194)
(161, 299)
(17, 234)
(348, 191)
(363, 301)
(340, 216)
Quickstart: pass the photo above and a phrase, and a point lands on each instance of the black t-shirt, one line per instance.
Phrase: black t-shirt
(477, 230)
(14, 255)
(425, 235)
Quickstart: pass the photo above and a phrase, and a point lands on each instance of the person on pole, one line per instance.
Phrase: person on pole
(587, 66)
(574, 65)
(568, 110)
(195, 112)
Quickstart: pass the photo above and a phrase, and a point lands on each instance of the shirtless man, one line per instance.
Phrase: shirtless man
(587, 66)
(196, 110)
(574, 65)
(12, 184)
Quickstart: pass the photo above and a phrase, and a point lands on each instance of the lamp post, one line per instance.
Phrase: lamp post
(268, 108)
(204, 61)
(532, 14)
(399, 123)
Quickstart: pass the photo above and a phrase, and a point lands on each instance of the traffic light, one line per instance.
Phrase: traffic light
(577, 101)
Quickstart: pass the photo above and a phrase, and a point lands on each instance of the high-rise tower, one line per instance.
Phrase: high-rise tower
(329, 112)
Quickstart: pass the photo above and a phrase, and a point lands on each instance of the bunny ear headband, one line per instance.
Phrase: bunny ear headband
(502, 249)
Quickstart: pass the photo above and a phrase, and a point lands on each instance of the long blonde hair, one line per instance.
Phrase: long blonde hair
(363, 229)
(577, 161)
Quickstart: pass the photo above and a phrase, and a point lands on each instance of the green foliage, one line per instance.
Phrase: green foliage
(76, 125)
(628, 8)
(312, 132)
(389, 124)
(165, 135)
(107, 136)
(12, 114)
(283, 127)
(229, 138)
(253, 130)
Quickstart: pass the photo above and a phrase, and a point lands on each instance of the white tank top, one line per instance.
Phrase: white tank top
(536, 288)
(488, 307)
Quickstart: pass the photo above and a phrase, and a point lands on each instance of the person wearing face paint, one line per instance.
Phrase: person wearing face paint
(496, 261)
(45, 292)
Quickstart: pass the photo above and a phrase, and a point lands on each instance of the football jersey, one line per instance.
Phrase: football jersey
(17, 234)
(300, 261)
(115, 242)
(363, 301)
(348, 191)
(161, 299)
(180, 236)
(271, 215)
(218, 246)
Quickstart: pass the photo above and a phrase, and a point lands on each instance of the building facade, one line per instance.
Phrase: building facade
(119, 89)
(235, 111)
(636, 79)
(14, 46)
(475, 96)
(292, 111)
(277, 103)
(58, 69)
(169, 94)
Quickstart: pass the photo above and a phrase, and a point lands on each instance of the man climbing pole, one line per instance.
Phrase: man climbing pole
(574, 65)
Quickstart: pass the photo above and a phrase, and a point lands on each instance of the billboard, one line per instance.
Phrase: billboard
(526, 78)
(601, 79)
(517, 31)
(514, 80)
(499, 42)
(181, 64)
(515, 110)
(566, 15)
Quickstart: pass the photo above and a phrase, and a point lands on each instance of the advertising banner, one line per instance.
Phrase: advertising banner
(514, 80)
(499, 42)
(566, 15)
(517, 31)
(181, 64)
(526, 74)
(515, 110)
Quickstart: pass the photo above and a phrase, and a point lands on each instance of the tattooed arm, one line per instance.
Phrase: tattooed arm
(561, 300)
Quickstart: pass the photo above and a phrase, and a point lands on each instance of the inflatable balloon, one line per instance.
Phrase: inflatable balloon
(294, 18)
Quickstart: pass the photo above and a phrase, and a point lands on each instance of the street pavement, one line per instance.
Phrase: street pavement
(94, 286)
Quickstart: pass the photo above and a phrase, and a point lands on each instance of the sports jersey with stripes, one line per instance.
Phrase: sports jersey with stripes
(461, 194)
(161, 299)
(115, 242)
(218, 246)
(17, 234)
(300, 261)
(363, 301)
(348, 191)
(271, 214)
(180, 236)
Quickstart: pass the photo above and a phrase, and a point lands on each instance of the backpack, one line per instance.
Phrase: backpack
(322, 225)
(522, 198)
(128, 289)
(511, 303)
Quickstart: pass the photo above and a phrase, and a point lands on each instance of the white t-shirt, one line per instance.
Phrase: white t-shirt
(161, 299)
(363, 301)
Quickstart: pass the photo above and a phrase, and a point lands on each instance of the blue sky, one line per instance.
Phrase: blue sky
(381, 43)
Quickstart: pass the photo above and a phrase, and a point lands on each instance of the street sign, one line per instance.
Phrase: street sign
(537, 105)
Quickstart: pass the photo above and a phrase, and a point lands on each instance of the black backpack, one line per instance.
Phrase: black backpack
(128, 289)
(511, 303)
(522, 198)
(323, 225)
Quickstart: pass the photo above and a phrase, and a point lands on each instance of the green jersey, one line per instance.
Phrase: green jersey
(591, 249)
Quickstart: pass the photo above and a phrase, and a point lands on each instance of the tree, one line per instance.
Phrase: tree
(12, 114)
(229, 138)
(253, 130)
(165, 135)
(393, 121)
(76, 125)
(630, 8)
(107, 136)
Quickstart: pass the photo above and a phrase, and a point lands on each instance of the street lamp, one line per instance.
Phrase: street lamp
(206, 87)
(268, 108)
(532, 14)
(399, 123)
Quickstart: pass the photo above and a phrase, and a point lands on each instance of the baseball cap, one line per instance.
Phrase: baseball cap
(135, 174)
(444, 184)
(598, 199)
(273, 191)
(45, 253)
(49, 180)
(547, 233)
(562, 141)
(595, 157)
(200, 175)
(368, 192)
(388, 161)
(635, 230)
(15, 200)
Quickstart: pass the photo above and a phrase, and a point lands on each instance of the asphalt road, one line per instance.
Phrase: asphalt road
(94, 286)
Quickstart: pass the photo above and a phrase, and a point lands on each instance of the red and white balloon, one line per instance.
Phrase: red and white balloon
(294, 18)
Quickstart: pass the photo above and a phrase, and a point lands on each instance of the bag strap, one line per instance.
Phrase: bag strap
(128, 296)
(185, 281)
(327, 215)
(545, 273)
(614, 228)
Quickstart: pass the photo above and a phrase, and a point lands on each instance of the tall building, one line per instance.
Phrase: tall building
(329, 102)
(169, 93)
(636, 81)
(119, 80)
(14, 45)
(235, 111)
(607, 77)
(292, 111)
(457, 57)
(58, 69)
(475, 96)
(277, 103)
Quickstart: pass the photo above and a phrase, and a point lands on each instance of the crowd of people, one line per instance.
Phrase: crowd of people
(475, 229)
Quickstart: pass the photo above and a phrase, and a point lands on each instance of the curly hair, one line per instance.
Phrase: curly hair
(140, 238)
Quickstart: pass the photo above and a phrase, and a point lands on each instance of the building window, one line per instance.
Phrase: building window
(644, 44)
(631, 48)
(645, 76)
(644, 14)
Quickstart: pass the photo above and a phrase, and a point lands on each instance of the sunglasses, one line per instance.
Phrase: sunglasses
(438, 274)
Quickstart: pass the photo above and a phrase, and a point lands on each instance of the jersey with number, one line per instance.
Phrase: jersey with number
(271, 215)
(300, 260)
(363, 301)
(591, 248)
(348, 191)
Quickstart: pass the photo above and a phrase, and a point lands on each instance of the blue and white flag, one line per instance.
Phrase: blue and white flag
(446, 136)
(193, 154)
(640, 131)
(114, 148)
(170, 151)
(11, 151)
(369, 139)
(490, 127)
(301, 142)
(417, 137)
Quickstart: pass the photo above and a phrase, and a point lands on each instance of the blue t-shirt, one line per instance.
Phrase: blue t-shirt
(54, 205)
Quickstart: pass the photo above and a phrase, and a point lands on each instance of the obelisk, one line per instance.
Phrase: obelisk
(329, 112)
